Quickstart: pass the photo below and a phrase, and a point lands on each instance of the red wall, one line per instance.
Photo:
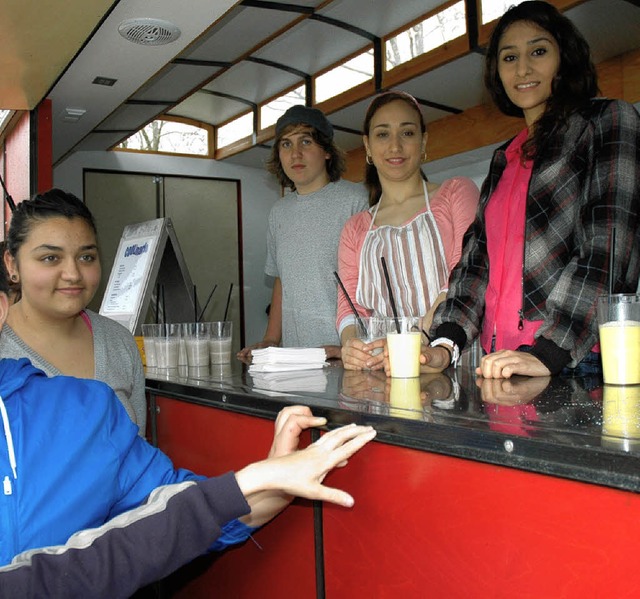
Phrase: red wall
(18, 163)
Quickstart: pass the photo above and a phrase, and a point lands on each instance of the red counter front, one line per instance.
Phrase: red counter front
(424, 525)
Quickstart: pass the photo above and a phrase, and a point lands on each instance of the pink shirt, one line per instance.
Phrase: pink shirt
(453, 206)
(505, 227)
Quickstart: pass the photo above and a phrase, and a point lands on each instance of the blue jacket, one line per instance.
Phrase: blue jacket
(79, 460)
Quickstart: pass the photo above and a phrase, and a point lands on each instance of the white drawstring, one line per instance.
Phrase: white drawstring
(9, 438)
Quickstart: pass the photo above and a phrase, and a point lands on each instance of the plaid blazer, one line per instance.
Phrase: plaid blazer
(583, 185)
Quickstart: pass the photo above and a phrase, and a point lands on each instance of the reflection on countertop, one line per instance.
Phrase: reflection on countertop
(574, 427)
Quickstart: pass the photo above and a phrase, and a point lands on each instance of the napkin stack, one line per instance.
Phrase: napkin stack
(284, 359)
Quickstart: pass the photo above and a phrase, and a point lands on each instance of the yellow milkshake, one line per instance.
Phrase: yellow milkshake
(620, 347)
(404, 354)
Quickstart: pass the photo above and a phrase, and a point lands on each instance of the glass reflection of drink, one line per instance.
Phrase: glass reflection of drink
(404, 398)
(621, 416)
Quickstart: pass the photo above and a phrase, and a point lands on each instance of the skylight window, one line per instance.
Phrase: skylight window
(235, 130)
(5, 115)
(494, 9)
(272, 111)
(173, 137)
(345, 76)
(426, 35)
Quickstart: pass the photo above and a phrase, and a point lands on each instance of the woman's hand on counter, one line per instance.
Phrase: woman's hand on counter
(505, 363)
(358, 355)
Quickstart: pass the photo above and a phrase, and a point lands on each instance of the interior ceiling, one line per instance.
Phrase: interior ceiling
(229, 57)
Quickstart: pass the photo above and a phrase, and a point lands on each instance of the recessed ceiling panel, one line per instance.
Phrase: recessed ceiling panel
(460, 89)
(208, 108)
(175, 82)
(253, 82)
(379, 17)
(611, 27)
(242, 30)
(311, 46)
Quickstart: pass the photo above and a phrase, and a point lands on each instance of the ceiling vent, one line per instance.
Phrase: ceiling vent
(149, 32)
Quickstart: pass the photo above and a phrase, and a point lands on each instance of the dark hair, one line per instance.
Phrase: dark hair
(50, 204)
(371, 178)
(575, 83)
(336, 164)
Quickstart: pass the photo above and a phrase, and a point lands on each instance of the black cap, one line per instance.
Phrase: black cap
(303, 115)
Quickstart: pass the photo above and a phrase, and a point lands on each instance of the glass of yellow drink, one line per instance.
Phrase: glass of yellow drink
(619, 328)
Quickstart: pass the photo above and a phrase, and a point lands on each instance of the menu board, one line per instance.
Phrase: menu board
(148, 261)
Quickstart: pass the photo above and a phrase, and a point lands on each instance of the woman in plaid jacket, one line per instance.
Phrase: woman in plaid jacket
(556, 197)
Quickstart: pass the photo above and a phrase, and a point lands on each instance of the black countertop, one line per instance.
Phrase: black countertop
(575, 428)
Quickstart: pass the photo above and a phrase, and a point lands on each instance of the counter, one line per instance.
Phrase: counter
(471, 488)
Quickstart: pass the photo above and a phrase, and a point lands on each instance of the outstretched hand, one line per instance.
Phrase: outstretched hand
(301, 473)
(290, 423)
(271, 484)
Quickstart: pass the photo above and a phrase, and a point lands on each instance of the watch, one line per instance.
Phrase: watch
(450, 345)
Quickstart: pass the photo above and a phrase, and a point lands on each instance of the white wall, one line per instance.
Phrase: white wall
(259, 192)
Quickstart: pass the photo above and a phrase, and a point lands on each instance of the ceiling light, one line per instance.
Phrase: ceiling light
(149, 32)
(108, 81)
(72, 115)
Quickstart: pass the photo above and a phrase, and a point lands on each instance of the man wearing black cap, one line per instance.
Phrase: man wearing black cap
(304, 231)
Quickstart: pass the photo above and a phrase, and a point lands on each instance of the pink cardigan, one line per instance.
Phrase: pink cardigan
(454, 207)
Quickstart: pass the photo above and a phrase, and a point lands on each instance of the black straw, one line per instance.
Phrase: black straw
(228, 300)
(612, 251)
(393, 302)
(206, 305)
(195, 303)
(353, 308)
(164, 314)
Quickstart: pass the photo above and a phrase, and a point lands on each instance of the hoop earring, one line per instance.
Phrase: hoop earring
(14, 278)
(369, 160)
(424, 155)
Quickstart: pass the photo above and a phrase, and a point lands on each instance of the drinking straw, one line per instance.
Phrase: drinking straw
(353, 308)
(228, 300)
(206, 305)
(164, 313)
(195, 304)
(393, 302)
(612, 259)
(158, 303)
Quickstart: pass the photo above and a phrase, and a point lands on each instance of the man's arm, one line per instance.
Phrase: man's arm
(178, 523)
(181, 521)
(273, 334)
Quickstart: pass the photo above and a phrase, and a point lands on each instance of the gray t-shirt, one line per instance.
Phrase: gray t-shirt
(302, 249)
(117, 362)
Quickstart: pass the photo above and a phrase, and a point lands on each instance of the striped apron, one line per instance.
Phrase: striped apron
(415, 260)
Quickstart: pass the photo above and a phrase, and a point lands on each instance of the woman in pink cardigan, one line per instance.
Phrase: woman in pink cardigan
(416, 225)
